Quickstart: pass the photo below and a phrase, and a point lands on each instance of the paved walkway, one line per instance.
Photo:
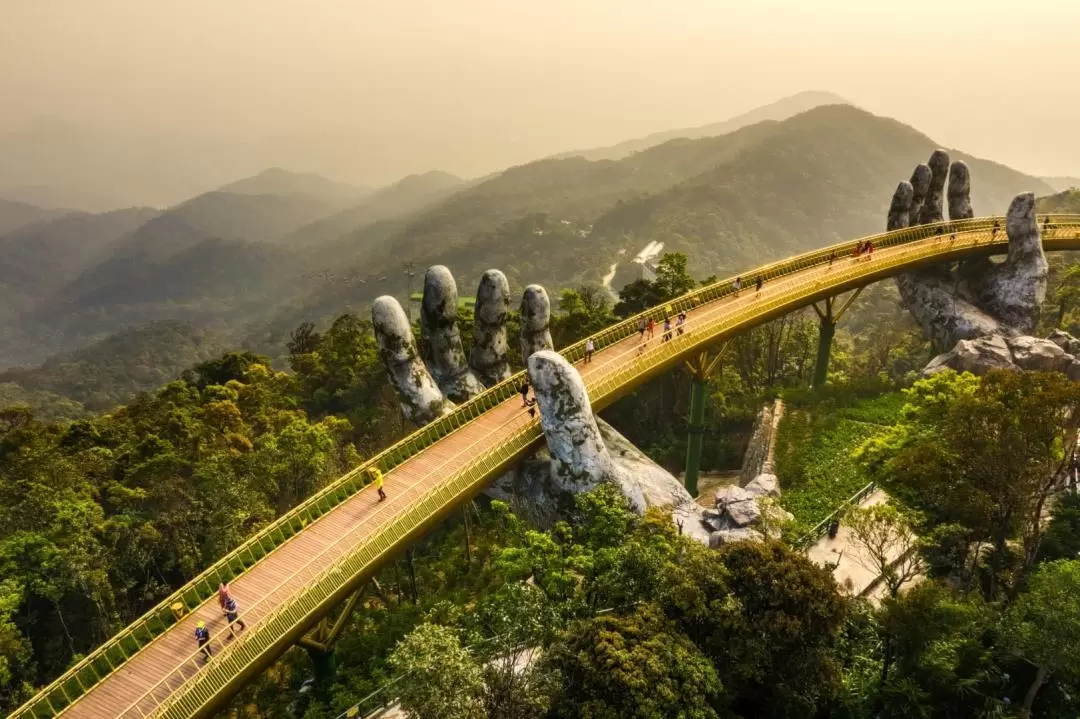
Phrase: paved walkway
(853, 571)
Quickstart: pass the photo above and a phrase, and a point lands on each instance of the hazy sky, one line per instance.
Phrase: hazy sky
(368, 91)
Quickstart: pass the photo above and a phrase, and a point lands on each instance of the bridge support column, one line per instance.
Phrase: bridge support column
(700, 369)
(696, 429)
(319, 643)
(828, 317)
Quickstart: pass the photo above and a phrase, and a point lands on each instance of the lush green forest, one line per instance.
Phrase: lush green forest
(611, 614)
(111, 372)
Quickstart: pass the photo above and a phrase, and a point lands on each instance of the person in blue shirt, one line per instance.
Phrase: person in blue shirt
(202, 634)
(229, 608)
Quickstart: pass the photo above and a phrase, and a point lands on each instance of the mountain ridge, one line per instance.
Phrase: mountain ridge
(781, 109)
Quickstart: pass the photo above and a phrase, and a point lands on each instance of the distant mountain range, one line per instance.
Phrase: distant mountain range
(254, 258)
(277, 181)
(1062, 183)
(782, 109)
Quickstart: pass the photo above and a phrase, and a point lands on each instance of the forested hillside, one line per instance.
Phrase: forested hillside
(111, 372)
(728, 202)
(103, 516)
(258, 265)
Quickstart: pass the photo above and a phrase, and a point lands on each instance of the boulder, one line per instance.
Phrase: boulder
(1032, 353)
(1065, 341)
(977, 356)
(741, 534)
(737, 505)
(764, 485)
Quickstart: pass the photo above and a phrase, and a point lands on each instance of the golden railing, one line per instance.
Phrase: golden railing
(273, 633)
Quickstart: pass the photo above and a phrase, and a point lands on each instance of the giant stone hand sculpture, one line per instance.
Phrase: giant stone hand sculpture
(978, 314)
(577, 456)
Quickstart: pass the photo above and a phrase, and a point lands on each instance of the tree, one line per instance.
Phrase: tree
(886, 544)
(582, 312)
(1067, 292)
(673, 276)
(986, 453)
(634, 666)
(441, 680)
(767, 617)
(939, 658)
(515, 625)
(1044, 625)
(1062, 538)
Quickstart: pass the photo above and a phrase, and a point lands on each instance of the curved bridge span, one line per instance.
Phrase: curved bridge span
(292, 573)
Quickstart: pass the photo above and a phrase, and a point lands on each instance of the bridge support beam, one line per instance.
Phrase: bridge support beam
(319, 643)
(700, 369)
(828, 317)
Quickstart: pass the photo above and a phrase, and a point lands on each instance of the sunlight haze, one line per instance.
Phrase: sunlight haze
(200, 93)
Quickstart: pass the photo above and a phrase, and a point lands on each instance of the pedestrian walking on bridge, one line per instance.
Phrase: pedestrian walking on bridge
(377, 479)
(229, 608)
(202, 636)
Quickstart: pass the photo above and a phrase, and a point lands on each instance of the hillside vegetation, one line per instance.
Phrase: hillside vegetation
(111, 372)
(261, 264)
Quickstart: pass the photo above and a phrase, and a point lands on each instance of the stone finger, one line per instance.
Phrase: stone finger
(935, 194)
(535, 321)
(960, 192)
(440, 339)
(900, 207)
(419, 396)
(920, 186)
(488, 356)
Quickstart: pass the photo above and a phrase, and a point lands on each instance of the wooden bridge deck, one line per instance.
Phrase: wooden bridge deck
(136, 688)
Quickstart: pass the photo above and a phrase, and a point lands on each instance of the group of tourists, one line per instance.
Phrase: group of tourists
(231, 610)
(864, 247)
(673, 324)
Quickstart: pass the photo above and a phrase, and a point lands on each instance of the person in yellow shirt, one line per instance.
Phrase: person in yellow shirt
(377, 478)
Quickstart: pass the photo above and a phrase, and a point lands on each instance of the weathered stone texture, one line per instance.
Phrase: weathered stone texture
(535, 319)
(488, 356)
(440, 345)
(420, 398)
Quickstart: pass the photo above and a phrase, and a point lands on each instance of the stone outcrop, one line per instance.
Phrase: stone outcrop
(739, 534)
(582, 452)
(736, 507)
(978, 314)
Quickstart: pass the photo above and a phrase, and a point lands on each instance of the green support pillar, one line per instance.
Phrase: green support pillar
(826, 331)
(324, 665)
(700, 369)
(698, 395)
